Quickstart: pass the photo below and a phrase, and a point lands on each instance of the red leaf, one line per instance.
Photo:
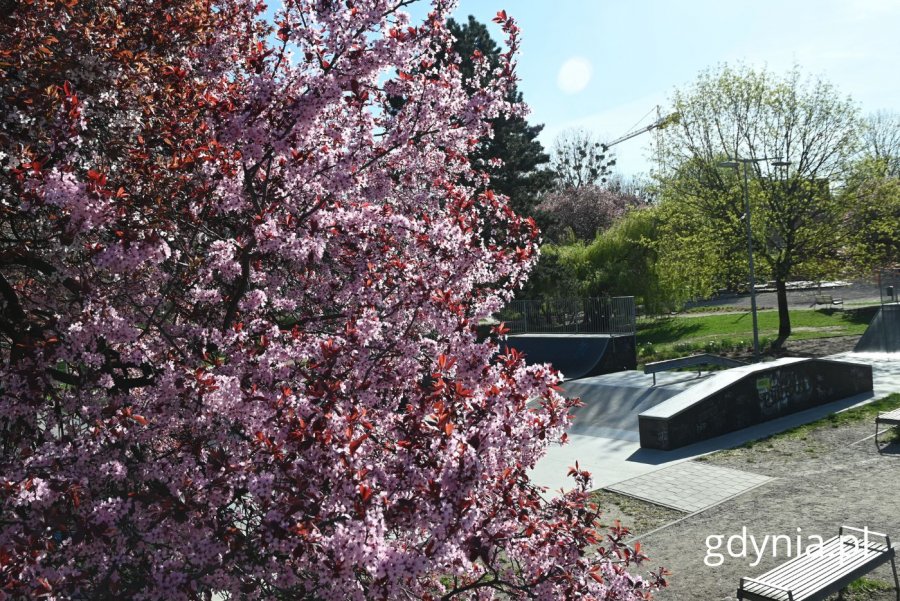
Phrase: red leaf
(365, 492)
(355, 443)
(444, 362)
(501, 329)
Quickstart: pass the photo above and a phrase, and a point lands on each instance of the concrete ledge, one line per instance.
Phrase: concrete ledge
(744, 396)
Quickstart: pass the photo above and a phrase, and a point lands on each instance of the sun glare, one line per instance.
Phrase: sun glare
(574, 75)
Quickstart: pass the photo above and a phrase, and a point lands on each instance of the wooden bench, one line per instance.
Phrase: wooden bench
(827, 299)
(815, 575)
(891, 418)
(692, 361)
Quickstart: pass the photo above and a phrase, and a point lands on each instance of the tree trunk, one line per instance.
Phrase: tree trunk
(784, 318)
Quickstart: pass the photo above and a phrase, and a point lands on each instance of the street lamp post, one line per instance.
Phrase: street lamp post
(734, 164)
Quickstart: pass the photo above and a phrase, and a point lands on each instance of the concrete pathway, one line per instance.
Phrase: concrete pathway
(797, 299)
(690, 486)
(613, 455)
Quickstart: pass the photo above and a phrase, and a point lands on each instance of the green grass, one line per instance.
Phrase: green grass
(673, 329)
(864, 588)
(735, 330)
(715, 345)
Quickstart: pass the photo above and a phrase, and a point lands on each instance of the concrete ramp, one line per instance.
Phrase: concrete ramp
(612, 402)
(745, 396)
(578, 355)
(883, 333)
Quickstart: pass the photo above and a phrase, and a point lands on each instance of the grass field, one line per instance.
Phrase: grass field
(729, 333)
(804, 323)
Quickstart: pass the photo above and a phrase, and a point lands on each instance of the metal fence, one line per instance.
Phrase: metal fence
(611, 315)
(889, 284)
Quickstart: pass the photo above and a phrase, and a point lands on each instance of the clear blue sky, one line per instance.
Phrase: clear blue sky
(638, 51)
(605, 65)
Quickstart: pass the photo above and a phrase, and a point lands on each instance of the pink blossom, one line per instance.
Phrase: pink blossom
(239, 306)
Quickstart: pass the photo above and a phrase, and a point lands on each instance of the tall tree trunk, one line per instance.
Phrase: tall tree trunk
(784, 318)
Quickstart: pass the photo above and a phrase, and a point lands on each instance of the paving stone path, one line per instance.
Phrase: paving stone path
(689, 486)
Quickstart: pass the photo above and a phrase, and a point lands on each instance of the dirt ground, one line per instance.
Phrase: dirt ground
(815, 347)
(819, 347)
(636, 515)
(825, 477)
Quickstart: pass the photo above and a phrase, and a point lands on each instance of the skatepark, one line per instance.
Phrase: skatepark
(716, 409)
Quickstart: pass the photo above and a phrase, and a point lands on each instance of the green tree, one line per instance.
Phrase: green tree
(881, 143)
(621, 261)
(519, 176)
(701, 241)
(872, 196)
(754, 115)
(555, 275)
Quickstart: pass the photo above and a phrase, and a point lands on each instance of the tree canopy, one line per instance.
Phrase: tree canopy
(754, 116)
(239, 305)
(881, 142)
(580, 159)
(584, 211)
(512, 155)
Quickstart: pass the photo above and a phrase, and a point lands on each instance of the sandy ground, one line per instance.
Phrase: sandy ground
(819, 347)
(828, 477)
(832, 476)
(636, 515)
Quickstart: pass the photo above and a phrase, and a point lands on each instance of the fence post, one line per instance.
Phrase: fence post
(574, 314)
(633, 317)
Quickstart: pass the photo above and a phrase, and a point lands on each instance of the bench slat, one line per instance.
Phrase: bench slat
(798, 562)
(890, 417)
(811, 577)
(822, 569)
(817, 582)
(827, 560)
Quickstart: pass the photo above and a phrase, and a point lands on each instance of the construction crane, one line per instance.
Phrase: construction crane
(660, 123)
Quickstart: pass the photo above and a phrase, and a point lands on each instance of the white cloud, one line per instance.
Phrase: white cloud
(574, 75)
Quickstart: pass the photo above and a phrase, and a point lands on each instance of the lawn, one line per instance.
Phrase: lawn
(804, 323)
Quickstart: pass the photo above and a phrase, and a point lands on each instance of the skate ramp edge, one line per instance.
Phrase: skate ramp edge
(744, 396)
(883, 333)
(578, 355)
(611, 403)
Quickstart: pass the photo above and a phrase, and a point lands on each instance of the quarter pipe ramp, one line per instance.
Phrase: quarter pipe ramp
(578, 355)
(883, 333)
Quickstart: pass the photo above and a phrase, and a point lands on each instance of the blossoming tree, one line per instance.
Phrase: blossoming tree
(239, 279)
